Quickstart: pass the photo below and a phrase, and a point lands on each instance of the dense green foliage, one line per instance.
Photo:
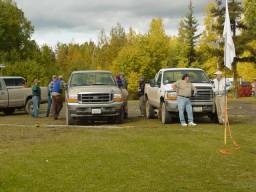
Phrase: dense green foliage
(131, 53)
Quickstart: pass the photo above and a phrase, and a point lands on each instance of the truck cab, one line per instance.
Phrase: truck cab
(160, 94)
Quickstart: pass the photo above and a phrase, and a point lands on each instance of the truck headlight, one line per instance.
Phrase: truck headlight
(72, 99)
(117, 97)
(171, 96)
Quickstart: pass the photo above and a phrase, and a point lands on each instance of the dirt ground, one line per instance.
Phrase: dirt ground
(240, 111)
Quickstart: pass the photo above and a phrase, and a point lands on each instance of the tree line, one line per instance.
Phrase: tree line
(131, 53)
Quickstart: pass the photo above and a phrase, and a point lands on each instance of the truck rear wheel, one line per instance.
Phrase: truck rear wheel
(29, 106)
(165, 114)
(9, 111)
(150, 113)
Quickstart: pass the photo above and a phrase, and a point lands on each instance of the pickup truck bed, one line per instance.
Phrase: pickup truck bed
(14, 95)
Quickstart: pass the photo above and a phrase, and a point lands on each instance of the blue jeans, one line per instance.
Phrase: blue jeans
(185, 103)
(35, 111)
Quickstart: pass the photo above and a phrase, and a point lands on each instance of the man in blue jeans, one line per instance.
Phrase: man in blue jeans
(36, 97)
(184, 89)
(50, 88)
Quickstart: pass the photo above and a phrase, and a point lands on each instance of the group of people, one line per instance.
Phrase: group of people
(56, 91)
(185, 90)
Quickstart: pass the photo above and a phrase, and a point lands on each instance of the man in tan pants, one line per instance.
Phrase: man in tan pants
(220, 94)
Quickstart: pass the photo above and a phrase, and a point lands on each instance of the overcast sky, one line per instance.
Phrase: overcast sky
(81, 20)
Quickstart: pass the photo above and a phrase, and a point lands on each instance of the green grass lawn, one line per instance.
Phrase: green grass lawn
(142, 156)
(151, 157)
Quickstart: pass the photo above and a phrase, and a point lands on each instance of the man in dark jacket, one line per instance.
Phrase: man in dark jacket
(141, 91)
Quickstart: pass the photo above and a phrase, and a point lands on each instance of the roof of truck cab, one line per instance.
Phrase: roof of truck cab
(185, 69)
(11, 77)
(91, 71)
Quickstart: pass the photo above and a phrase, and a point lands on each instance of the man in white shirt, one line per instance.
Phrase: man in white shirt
(220, 94)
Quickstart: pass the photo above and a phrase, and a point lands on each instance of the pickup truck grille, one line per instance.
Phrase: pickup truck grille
(203, 94)
(95, 98)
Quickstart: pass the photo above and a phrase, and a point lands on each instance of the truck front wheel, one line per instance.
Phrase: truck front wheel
(69, 119)
(150, 113)
(213, 117)
(165, 114)
(120, 118)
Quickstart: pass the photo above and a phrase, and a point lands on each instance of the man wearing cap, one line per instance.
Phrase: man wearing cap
(185, 89)
(220, 93)
(36, 97)
(57, 99)
(50, 88)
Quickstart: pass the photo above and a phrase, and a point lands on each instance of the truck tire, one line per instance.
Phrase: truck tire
(29, 106)
(150, 113)
(120, 118)
(213, 117)
(165, 114)
(9, 111)
(69, 119)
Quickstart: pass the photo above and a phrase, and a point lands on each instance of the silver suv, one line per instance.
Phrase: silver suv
(95, 95)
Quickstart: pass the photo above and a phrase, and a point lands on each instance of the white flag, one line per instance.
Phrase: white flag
(229, 50)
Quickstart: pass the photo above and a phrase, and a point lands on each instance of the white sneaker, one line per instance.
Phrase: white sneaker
(192, 124)
(184, 124)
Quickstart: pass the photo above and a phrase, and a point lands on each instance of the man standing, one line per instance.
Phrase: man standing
(141, 91)
(220, 94)
(124, 81)
(57, 101)
(119, 81)
(36, 97)
(184, 89)
(50, 88)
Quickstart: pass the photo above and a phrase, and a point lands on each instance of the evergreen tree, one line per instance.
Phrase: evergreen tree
(188, 35)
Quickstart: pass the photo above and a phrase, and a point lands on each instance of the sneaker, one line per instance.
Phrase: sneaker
(192, 124)
(184, 124)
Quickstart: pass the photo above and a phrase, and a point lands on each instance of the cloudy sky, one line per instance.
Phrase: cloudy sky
(81, 20)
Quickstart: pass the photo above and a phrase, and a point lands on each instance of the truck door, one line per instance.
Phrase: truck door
(3, 95)
(156, 90)
(16, 92)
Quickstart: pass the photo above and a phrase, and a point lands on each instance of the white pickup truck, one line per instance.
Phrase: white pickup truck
(15, 95)
(160, 95)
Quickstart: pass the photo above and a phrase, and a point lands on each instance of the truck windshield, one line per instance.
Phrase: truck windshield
(196, 76)
(89, 79)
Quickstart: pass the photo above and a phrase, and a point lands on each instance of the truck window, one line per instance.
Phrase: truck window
(196, 76)
(92, 78)
(159, 78)
(14, 82)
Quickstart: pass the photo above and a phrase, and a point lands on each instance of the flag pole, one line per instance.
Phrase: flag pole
(229, 55)
(225, 89)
